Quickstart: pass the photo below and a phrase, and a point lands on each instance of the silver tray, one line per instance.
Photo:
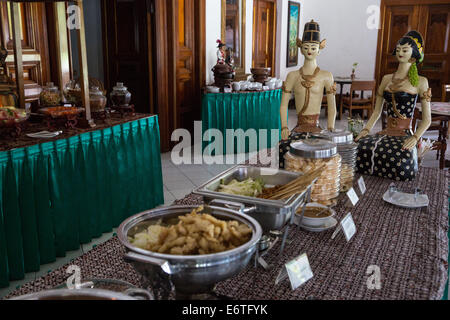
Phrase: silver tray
(271, 214)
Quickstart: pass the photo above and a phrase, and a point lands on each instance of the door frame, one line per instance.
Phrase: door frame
(165, 66)
(161, 63)
(388, 3)
(274, 51)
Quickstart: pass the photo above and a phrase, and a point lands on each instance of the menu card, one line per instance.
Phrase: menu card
(348, 226)
(351, 194)
(362, 185)
(298, 270)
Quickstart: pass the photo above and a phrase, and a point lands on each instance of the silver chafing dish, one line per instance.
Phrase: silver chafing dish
(78, 294)
(271, 214)
(186, 275)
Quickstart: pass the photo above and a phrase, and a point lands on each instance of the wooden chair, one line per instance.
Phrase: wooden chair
(353, 102)
(445, 93)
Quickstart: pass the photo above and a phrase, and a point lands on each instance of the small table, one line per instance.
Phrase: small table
(60, 193)
(440, 111)
(242, 110)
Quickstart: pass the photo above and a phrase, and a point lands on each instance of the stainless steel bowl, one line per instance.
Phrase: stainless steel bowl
(271, 214)
(77, 294)
(188, 275)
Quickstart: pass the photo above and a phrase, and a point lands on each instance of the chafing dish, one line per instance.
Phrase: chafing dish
(187, 275)
(271, 214)
(80, 294)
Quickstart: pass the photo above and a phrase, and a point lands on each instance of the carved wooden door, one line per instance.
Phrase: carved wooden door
(433, 22)
(185, 72)
(127, 29)
(33, 28)
(264, 25)
(435, 27)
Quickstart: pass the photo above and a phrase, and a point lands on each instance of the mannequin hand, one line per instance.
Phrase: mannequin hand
(285, 133)
(410, 143)
(363, 134)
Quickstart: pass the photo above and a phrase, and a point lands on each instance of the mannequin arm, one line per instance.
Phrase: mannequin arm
(425, 95)
(284, 115)
(330, 87)
(287, 94)
(378, 110)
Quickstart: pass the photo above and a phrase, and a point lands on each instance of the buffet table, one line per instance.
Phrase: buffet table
(57, 195)
(246, 110)
(409, 246)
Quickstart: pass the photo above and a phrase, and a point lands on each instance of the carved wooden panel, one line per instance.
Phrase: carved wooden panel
(433, 22)
(264, 33)
(437, 52)
(34, 43)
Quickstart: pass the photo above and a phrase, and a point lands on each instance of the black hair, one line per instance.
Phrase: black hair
(415, 54)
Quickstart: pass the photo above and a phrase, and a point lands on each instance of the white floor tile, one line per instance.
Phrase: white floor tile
(182, 184)
(180, 194)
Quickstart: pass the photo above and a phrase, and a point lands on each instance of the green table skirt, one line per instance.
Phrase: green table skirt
(58, 195)
(259, 110)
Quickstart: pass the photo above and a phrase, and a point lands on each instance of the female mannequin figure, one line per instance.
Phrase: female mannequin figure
(307, 84)
(392, 153)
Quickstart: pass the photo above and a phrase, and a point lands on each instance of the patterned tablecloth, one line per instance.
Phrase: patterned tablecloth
(409, 246)
(438, 108)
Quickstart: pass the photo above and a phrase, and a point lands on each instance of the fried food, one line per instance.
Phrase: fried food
(194, 234)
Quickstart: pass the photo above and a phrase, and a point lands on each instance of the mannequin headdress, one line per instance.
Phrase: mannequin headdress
(311, 34)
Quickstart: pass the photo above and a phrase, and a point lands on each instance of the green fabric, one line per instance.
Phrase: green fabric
(259, 110)
(58, 195)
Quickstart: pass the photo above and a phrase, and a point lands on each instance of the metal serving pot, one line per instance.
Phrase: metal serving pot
(83, 294)
(189, 275)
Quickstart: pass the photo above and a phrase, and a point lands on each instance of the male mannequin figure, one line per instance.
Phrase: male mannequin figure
(307, 85)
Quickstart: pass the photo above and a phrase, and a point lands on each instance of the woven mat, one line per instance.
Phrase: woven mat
(409, 246)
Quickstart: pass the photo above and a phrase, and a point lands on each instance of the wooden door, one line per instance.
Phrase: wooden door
(33, 29)
(432, 19)
(186, 73)
(264, 33)
(435, 27)
(127, 56)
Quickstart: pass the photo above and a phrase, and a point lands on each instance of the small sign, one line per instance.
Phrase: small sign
(353, 196)
(362, 185)
(348, 226)
(298, 270)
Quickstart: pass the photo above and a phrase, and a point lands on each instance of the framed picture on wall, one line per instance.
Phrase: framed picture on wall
(293, 33)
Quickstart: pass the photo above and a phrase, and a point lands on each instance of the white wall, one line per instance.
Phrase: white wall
(343, 23)
(281, 70)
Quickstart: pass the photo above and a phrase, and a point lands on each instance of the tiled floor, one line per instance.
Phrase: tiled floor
(178, 182)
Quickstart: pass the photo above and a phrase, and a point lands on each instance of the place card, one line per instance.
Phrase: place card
(298, 271)
(362, 185)
(351, 194)
(348, 226)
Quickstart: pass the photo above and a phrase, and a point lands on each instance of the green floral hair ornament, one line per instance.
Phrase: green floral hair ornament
(413, 75)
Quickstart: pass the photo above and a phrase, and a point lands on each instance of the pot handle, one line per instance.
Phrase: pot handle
(233, 205)
(135, 257)
(139, 294)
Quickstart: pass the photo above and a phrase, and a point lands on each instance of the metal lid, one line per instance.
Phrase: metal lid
(337, 136)
(314, 148)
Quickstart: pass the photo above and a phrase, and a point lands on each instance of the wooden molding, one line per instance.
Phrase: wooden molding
(17, 45)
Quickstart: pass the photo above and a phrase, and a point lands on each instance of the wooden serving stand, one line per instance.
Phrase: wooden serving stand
(61, 31)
